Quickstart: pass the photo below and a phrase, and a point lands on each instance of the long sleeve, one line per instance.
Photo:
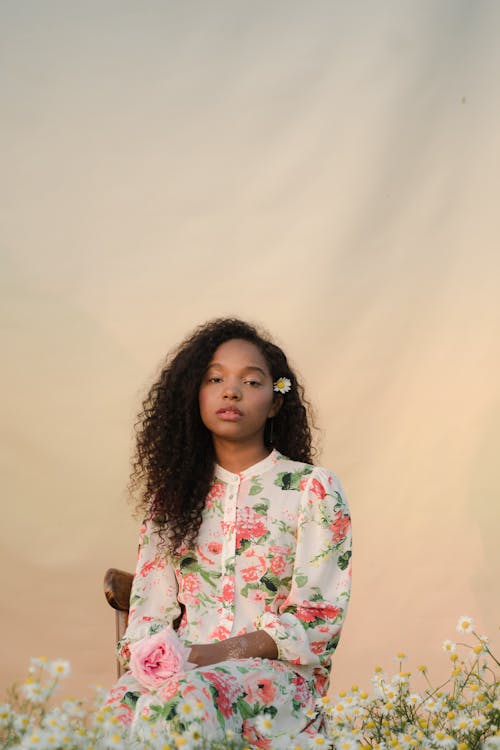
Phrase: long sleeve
(307, 626)
(153, 599)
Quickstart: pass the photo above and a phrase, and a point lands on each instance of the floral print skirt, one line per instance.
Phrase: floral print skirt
(258, 700)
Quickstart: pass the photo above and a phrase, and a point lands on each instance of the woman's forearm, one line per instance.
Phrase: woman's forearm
(258, 643)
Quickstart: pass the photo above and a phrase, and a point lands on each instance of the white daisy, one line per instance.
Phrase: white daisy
(5, 713)
(195, 733)
(449, 646)
(34, 691)
(318, 741)
(347, 743)
(39, 661)
(59, 668)
(264, 724)
(464, 624)
(492, 743)
(445, 741)
(414, 699)
(282, 385)
(21, 722)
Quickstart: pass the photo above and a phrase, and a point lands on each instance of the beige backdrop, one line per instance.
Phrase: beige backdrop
(327, 169)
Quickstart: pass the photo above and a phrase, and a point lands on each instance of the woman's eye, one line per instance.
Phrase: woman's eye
(253, 382)
(214, 379)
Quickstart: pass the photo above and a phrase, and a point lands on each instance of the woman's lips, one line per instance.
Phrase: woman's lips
(229, 414)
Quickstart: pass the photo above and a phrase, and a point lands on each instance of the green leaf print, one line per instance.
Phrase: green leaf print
(256, 487)
(344, 558)
(268, 583)
(244, 544)
(290, 480)
(262, 507)
(188, 562)
(165, 710)
(208, 576)
(130, 699)
(316, 596)
(155, 628)
(301, 581)
(245, 710)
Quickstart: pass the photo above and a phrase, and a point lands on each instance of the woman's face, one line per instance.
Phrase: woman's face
(236, 394)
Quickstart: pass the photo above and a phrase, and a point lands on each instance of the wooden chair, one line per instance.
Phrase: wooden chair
(117, 585)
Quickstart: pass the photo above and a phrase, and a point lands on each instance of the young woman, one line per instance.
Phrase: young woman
(245, 548)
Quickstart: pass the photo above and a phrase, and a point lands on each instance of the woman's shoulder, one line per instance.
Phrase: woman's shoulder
(307, 473)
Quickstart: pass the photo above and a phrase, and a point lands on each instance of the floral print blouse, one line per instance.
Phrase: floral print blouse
(273, 553)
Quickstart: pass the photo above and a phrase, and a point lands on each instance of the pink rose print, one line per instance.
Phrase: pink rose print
(191, 583)
(320, 681)
(190, 586)
(216, 491)
(318, 489)
(169, 689)
(250, 574)
(306, 615)
(125, 652)
(302, 691)
(156, 658)
(249, 526)
(157, 563)
(250, 734)
(317, 647)
(256, 595)
(221, 632)
(328, 612)
(228, 591)
(215, 548)
(228, 691)
(277, 565)
(319, 611)
(340, 526)
(263, 692)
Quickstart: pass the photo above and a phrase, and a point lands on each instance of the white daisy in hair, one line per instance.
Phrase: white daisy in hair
(282, 385)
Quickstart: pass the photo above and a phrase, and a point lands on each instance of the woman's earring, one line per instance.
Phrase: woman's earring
(271, 431)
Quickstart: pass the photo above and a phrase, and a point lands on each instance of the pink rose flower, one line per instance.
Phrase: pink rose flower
(156, 658)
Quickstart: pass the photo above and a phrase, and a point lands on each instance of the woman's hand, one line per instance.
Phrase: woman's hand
(255, 644)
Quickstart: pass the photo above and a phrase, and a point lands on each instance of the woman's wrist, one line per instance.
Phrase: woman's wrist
(256, 644)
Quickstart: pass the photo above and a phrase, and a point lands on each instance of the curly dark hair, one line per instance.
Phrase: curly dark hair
(174, 458)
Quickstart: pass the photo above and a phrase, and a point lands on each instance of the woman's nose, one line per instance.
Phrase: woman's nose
(232, 392)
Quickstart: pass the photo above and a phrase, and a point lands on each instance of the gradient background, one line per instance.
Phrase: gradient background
(329, 170)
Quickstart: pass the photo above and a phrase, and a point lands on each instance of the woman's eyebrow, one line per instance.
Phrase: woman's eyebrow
(245, 369)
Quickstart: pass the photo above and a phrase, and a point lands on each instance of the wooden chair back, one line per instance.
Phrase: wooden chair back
(117, 586)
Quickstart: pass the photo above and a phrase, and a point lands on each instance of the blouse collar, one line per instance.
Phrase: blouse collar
(259, 468)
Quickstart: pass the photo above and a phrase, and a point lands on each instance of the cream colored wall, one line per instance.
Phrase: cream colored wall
(329, 170)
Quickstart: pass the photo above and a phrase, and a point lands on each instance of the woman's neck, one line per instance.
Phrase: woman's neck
(236, 457)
